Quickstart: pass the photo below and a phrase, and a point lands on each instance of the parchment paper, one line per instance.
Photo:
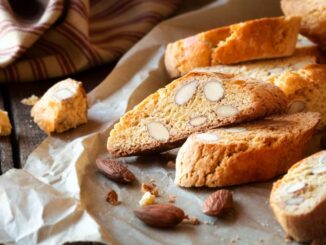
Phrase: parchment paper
(60, 196)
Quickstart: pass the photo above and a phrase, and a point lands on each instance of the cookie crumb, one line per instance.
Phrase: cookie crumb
(30, 100)
(191, 220)
(149, 187)
(171, 198)
(147, 199)
(112, 197)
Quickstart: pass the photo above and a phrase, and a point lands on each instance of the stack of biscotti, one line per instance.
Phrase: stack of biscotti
(250, 40)
(193, 103)
(299, 199)
(250, 152)
(300, 76)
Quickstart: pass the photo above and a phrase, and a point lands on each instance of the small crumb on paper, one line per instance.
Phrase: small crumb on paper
(171, 198)
(191, 220)
(147, 199)
(30, 101)
(112, 198)
(149, 187)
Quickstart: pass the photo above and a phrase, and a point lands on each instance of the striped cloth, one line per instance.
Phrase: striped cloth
(53, 38)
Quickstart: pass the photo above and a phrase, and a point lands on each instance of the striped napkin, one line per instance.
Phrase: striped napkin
(53, 38)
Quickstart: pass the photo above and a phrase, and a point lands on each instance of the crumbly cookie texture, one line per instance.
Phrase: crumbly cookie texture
(5, 126)
(298, 199)
(251, 152)
(313, 13)
(62, 107)
(233, 44)
(193, 103)
(269, 70)
(306, 90)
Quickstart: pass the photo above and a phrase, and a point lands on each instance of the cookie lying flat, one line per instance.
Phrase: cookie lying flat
(62, 107)
(193, 103)
(5, 126)
(269, 70)
(246, 153)
(298, 199)
(251, 40)
(313, 13)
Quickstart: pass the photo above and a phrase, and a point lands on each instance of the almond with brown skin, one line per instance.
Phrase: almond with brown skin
(160, 215)
(218, 203)
(115, 170)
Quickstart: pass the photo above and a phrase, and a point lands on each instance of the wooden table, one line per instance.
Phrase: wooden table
(26, 135)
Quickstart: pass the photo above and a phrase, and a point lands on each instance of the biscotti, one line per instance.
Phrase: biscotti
(256, 151)
(298, 199)
(5, 126)
(306, 90)
(313, 13)
(62, 107)
(192, 103)
(270, 69)
(251, 40)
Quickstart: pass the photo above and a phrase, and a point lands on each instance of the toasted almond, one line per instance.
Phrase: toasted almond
(226, 111)
(197, 121)
(295, 187)
(295, 201)
(160, 215)
(158, 131)
(185, 93)
(296, 106)
(112, 197)
(319, 169)
(218, 203)
(207, 137)
(213, 90)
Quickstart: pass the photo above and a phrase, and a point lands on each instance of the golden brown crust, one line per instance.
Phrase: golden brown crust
(262, 99)
(313, 13)
(307, 85)
(266, 148)
(233, 44)
(308, 221)
(62, 107)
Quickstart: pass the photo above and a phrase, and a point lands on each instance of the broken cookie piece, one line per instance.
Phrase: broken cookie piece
(5, 126)
(62, 107)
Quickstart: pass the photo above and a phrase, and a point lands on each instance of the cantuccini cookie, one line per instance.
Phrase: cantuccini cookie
(250, 152)
(313, 14)
(298, 199)
(193, 103)
(62, 107)
(250, 40)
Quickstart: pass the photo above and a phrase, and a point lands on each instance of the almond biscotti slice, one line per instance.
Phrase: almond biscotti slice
(251, 152)
(192, 103)
(298, 199)
(250, 40)
(269, 70)
(62, 107)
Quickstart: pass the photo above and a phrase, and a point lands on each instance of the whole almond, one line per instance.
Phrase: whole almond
(218, 203)
(115, 170)
(160, 215)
